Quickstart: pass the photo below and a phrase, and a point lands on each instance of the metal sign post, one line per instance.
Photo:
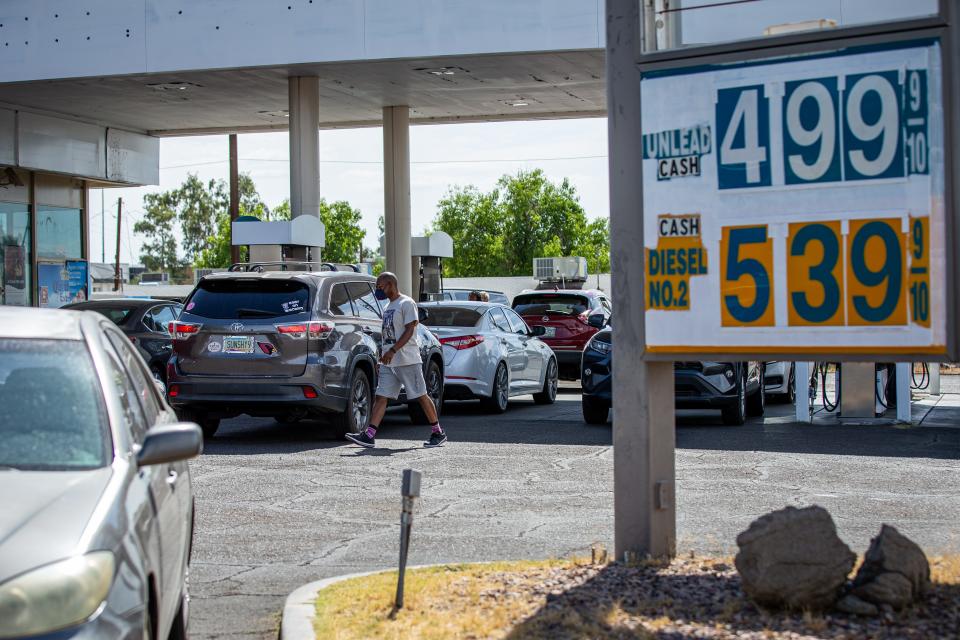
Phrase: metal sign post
(790, 197)
(410, 490)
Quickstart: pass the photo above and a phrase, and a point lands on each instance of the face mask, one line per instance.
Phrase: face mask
(379, 294)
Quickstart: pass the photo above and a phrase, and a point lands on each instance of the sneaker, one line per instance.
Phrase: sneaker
(361, 439)
(436, 440)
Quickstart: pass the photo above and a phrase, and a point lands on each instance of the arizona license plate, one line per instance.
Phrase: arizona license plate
(238, 344)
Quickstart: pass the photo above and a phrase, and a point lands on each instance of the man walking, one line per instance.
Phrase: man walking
(400, 364)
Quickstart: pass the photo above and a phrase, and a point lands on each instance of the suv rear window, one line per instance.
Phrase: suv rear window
(226, 299)
(562, 304)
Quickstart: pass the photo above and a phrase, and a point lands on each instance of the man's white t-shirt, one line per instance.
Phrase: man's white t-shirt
(398, 314)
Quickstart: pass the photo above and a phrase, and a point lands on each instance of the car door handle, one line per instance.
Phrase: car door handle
(172, 476)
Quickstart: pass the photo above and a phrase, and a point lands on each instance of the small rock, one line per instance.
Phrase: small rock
(854, 605)
(892, 552)
(793, 558)
(887, 588)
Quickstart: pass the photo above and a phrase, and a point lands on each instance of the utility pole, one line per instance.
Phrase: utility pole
(234, 197)
(116, 270)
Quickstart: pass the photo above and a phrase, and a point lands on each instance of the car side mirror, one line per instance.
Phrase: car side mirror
(538, 331)
(170, 443)
(597, 321)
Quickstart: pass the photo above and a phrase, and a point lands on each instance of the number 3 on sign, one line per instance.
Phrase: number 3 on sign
(746, 286)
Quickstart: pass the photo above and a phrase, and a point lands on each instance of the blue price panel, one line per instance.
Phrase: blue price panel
(811, 128)
(872, 142)
(743, 128)
(868, 126)
(915, 118)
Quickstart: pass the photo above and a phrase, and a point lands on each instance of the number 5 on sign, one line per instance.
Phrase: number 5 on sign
(746, 283)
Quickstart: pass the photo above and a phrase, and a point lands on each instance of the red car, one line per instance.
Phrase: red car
(563, 314)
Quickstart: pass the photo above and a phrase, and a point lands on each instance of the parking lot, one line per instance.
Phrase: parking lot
(282, 505)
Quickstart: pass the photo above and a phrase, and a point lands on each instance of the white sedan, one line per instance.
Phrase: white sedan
(490, 353)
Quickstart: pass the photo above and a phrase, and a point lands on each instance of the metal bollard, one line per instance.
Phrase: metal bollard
(410, 490)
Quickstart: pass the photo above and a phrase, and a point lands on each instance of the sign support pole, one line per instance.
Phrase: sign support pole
(643, 394)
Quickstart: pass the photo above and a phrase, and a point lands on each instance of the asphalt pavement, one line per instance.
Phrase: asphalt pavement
(280, 505)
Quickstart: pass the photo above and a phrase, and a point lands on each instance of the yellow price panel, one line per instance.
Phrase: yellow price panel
(746, 282)
(918, 281)
(875, 273)
(815, 274)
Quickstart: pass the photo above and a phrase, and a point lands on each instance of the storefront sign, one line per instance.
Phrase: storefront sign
(817, 225)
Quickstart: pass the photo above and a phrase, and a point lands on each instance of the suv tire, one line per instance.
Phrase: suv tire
(595, 411)
(357, 411)
(207, 424)
(736, 414)
(434, 378)
(757, 402)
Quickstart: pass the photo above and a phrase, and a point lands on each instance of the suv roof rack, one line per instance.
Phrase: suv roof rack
(288, 266)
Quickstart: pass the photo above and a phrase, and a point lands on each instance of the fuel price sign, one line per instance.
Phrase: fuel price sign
(796, 205)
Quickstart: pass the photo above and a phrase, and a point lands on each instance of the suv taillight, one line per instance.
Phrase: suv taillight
(318, 330)
(182, 330)
(462, 342)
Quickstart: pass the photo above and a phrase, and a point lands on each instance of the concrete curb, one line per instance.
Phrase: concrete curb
(296, 623)
(300, 606)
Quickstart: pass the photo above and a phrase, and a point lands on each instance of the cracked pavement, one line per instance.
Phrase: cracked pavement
(282, 505)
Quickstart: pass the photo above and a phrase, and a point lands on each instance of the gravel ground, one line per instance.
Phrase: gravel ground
(695, 598)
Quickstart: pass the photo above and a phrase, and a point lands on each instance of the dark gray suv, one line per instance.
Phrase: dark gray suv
(288, 345)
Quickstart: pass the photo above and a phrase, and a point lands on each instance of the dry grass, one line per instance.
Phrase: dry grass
(559, 599)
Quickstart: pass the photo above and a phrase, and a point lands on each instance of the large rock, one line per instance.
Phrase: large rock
(895, 570)
(794, 559)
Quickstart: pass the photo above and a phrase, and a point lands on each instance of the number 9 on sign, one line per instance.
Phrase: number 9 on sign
(875, 273)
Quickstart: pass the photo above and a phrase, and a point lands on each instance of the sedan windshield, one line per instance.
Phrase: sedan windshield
(51, 409)
(450, 316)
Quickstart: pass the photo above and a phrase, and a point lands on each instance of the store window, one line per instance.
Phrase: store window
(59, 233)
(15, 258)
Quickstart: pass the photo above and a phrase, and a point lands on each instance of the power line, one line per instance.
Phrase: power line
(380, 162)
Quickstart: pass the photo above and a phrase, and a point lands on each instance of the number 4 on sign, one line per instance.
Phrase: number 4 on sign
(743, 125)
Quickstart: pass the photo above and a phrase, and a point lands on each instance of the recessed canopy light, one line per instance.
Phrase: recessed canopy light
(442, 71)
(520, 104)
(282, 113)
(176, 85)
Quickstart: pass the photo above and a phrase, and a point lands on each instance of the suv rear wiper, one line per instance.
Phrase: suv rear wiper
(257, 313)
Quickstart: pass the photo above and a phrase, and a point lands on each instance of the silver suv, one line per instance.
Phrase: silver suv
(287, 345)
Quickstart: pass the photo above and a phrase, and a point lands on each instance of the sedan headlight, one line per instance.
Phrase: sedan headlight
(600, 346)
(56, 595)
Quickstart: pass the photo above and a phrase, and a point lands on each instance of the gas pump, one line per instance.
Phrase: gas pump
(427, 254)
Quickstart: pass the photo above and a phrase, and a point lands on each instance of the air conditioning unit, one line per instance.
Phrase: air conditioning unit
(573, 269)
(161, 277)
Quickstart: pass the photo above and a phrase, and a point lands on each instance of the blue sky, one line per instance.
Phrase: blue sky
(351, 169)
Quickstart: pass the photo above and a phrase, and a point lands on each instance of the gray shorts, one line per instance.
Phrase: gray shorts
(410, 377)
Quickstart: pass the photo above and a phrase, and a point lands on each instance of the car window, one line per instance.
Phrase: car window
(39, 380)
(253, 298)
(363, 300)
(133, 417)
(500, 320)
(117, 315)
(340, 301)
(447, 316)
(551, 304)
(517, 323)
(146, 389)
(158, 318)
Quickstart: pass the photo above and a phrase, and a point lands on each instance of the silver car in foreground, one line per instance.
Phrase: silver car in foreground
(490, 353)
(96, 513)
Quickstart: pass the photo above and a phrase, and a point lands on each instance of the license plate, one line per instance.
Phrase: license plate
(238, 344)
(551, 332)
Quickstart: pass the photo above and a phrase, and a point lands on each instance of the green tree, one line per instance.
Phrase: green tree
(159, 253)
(215, 252)
(344, 235)
(524, 217)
